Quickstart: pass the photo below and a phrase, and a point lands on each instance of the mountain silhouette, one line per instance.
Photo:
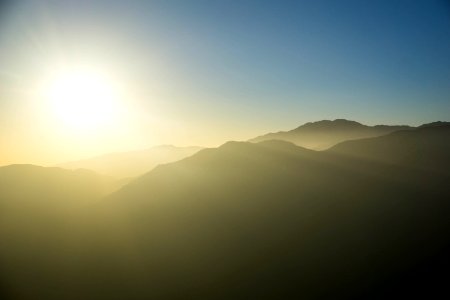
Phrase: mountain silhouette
(272, 220)
(133, 163)
(324, 134)
(366, 219)
(435, 124)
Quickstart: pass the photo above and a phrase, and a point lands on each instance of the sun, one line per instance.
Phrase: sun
(82, 99)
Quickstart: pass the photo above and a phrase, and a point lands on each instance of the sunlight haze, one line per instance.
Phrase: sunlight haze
(83, 78)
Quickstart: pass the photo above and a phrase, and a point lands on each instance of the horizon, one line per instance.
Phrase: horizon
(201, 73)
(125, 151)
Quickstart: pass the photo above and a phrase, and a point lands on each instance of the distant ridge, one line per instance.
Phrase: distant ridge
(324, 134)
(435, 124)
(342, 123)
(133, 163)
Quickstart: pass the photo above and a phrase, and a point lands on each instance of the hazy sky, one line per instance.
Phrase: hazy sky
(203, 72)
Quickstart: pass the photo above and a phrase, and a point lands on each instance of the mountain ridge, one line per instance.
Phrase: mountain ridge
(425, 147)
(324, 134)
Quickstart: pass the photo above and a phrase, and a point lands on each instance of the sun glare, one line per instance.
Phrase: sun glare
(83, 100)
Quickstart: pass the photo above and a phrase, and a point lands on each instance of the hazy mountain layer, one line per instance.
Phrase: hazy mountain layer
(324, 134)
(134, 163)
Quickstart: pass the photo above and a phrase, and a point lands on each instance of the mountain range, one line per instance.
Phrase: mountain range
(324, 134)
(364, 219)
(273, 220)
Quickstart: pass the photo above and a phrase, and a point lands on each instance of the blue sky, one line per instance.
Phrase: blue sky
(225, 69)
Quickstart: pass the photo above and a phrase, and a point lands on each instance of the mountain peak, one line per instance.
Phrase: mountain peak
(340, 123)
(434, 124)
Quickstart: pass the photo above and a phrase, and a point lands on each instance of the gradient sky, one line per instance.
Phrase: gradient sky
(204, 72)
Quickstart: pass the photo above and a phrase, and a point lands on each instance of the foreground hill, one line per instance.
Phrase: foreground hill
(324, 134)
(273, 221)
(134, 163)
(39, 225)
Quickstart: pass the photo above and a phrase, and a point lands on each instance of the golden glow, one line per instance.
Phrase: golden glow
(82, 99)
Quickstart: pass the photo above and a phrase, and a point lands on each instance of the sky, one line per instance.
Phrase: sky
(207, 71)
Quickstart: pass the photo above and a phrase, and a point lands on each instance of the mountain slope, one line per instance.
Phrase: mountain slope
(134, 163)
(427, 147)
(272, 220)
(324, 134)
